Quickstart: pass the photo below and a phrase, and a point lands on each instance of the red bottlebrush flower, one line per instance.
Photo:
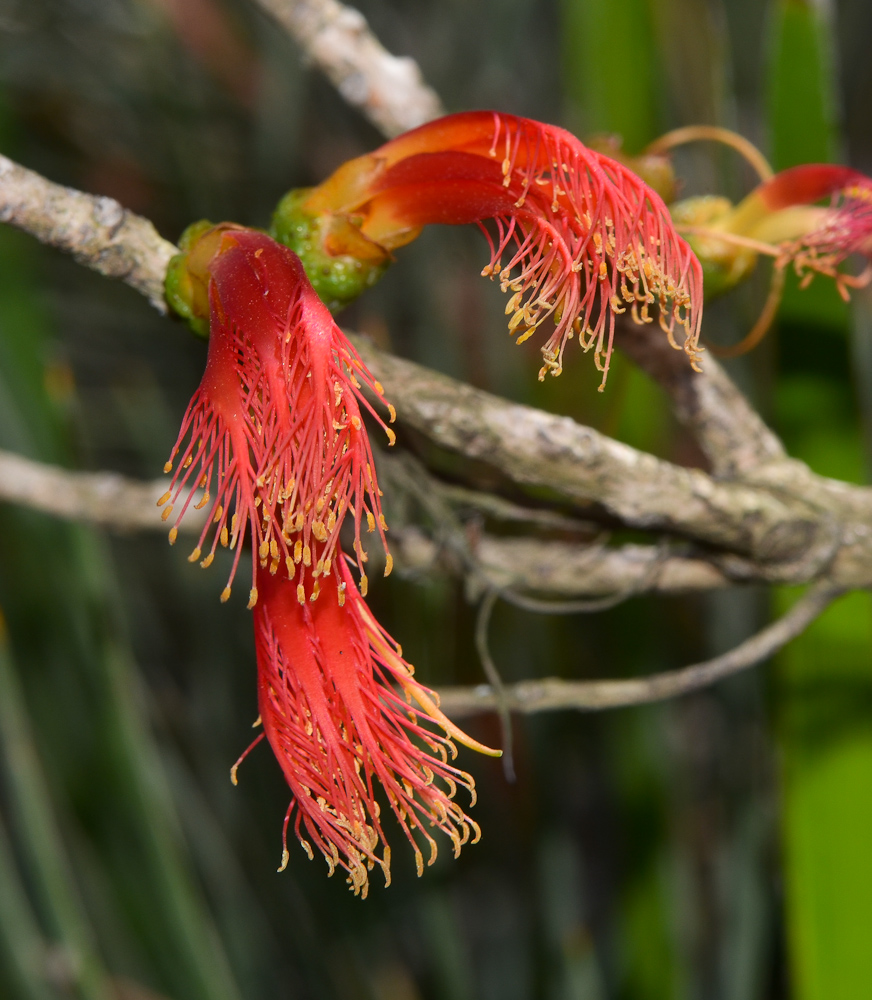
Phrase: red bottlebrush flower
(779, 218)
(273, 434)
(326, 684)
(579, 237)
(275, 439)
(813, 239)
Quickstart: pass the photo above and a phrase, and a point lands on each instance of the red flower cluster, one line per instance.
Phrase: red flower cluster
(274, 437)
(578, 236)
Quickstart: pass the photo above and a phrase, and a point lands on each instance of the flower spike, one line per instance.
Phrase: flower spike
(276, 429)
(780, 219)
(274, 434)
(327, 688)
(579, 238)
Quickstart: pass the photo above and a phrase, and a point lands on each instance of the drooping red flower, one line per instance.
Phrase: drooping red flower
(274, 438)
(814, 239)
(328, 676)
(578, 237)
(274, 434)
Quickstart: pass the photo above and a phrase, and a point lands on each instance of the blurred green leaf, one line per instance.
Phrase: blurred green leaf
(803, 124)
(825, 690)
(609, 68)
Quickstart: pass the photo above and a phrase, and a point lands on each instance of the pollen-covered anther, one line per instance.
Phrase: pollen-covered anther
(173, 535)
(165, 513)
(164, 498)
(225, 595)
(207, 562)
(252, 598)
(195, 555)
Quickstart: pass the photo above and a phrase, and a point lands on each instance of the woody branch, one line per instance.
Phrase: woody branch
(389, 90)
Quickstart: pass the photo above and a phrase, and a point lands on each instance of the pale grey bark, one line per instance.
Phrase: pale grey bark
(389, 90)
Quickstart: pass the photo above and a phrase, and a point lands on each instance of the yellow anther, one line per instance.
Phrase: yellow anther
(273, 549)
(225, 595)
(218, 514)
(392, 438)
(298, 551)
(168, 466)
(203, 502)
(355, 423)
(389, 564)
(364, 585)
(164, 499)
(165, 513)
(301, 593)
(223, 536)
(331, 521)
(195, 555)
(379, 388)
(392, 412)
(307, 556)
(383, 522)
(316, 590)
(174, 534)
(252, 598)
(341, 594)
(370, 521)
(207, 562)
(263, 549)
(319, 531)
(187, 461)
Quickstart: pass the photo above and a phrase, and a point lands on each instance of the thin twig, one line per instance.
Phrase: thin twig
(388, 89)
(485, 610)
(552, 693)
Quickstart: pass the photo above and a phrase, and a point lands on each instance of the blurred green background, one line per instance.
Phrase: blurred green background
(715, 848)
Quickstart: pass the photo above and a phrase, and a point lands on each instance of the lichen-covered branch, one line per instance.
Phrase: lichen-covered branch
(388, 89)
(552, 693)
(618, 484)
(96, 230)
(552, 569)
